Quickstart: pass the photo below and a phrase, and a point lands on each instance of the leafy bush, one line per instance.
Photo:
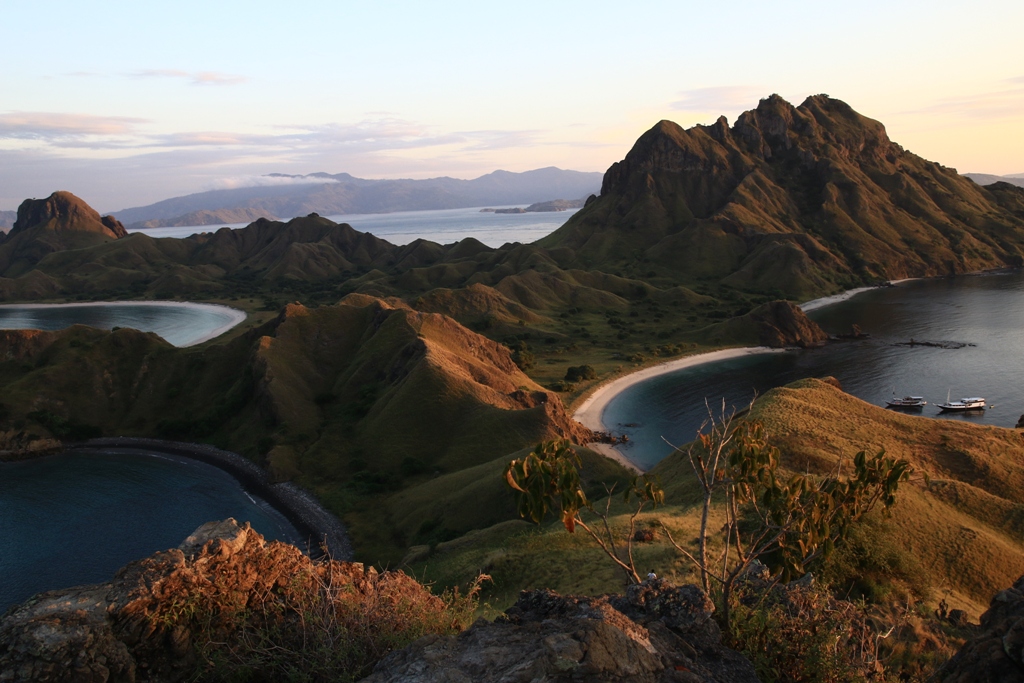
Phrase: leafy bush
(522, 356)
(803, 636)
(577, 373)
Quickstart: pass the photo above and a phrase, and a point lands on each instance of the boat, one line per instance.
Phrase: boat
(907, 402)
(964, 404)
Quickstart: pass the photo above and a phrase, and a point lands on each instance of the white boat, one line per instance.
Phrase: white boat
(970, 403)
(907, 402)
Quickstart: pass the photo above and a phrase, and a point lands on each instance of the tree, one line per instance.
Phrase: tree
(548, 480)
(784, 523)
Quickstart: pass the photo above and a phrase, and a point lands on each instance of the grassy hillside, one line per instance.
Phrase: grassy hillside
(955, 534)
(385, 412)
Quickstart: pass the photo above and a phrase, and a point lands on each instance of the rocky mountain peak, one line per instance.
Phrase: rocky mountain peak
(63, 211)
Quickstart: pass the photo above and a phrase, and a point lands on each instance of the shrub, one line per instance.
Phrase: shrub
(803, 635)
(321, 626)
(521, 354)
(577, 373)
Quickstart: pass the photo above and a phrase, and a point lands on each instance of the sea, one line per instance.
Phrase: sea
(76, 518)
(442, 226)
(181, 324)
(976, 320)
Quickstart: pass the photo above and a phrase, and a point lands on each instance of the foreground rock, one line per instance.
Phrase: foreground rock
(159, 616)
(997, 653)
(656, 632)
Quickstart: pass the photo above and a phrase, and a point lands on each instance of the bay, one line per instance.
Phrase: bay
(181, 324)
(443, 226)
(986, 312)
(72, 519)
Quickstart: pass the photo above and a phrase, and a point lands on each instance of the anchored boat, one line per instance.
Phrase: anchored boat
(964, 404)
(907, 402)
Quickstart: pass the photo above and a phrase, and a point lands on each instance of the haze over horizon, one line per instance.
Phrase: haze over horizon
(131, 104)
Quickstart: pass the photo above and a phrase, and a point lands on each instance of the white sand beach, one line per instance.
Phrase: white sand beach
(590, 412)
(815, 304)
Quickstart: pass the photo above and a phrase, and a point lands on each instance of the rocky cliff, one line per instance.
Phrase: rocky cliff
(64, 212)
(996, 653)
(797, 199)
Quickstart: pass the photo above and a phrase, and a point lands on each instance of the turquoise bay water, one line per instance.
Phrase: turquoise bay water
(178, 323)
(442, 226)
(73, 519)
(986, 311)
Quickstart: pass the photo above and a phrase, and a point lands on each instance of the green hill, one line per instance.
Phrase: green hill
(955, 533)
(359, 401)
(799, 200)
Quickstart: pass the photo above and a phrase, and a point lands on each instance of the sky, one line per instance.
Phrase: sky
(127, 103)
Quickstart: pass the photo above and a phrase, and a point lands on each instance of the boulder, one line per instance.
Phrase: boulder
(657, 632)
(996, 653)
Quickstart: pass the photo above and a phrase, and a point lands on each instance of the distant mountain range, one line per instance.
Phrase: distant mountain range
(342, 193)
(988, 179)
(7, 219)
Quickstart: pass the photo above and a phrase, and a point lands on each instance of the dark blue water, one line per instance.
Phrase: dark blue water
(72, 519)
(180, 324)
(986, 311)
(443, 226)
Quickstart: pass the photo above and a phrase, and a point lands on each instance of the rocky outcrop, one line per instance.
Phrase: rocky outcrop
(60, 222)
(799, 200)
(777, 324)
(997, 653)
(1020, 423)
(65, 211)
(149, 622)
(782, 323)
(655, 633)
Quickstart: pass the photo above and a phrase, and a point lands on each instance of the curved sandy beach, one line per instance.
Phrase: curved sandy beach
(236, 316)
(591, 411)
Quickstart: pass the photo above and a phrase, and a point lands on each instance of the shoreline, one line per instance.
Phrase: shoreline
(297, 505)
(590, 413)
(237, 316)
(815, 304)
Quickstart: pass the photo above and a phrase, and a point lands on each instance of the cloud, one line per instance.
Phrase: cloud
(718, 99)
(195, 77)
(118, 162)
(29, 125)
(233, 182)
(1004, 102)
